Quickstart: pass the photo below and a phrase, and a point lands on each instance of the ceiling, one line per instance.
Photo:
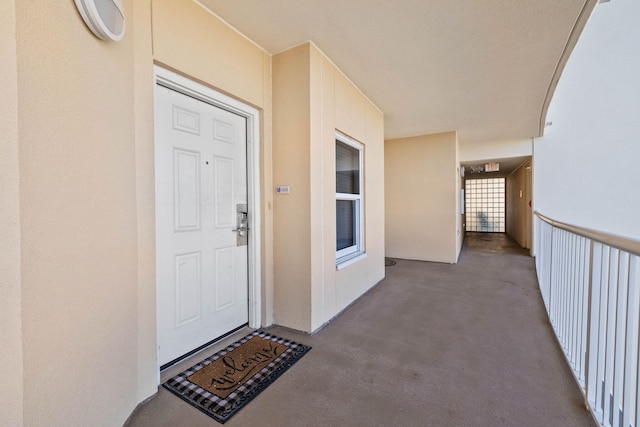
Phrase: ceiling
(485, 68)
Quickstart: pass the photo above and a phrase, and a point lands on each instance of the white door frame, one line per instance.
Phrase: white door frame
(181, 84)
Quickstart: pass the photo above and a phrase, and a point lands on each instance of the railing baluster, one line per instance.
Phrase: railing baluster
(564, 289)
(631, 366)
(559, 265)
(570, 300)
(553, 271)
(584, 299)
(622, 272)
(602, 333)
(547, 261)
(635, 283)
(590, 285)
(611, 333)
(551, 250)
(593, 337)
(576, 302)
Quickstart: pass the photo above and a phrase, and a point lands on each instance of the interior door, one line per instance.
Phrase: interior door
(201, 200)
(528, 182)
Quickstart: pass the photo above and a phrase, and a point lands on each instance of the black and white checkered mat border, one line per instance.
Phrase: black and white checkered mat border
(223, 409)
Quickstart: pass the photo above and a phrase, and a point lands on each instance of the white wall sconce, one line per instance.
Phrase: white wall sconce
(105, 18)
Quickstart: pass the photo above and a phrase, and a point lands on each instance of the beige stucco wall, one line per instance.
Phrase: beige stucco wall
(78, 254)
(11, 392)
(291, 163)
(145, 198)
(501, 149)
(190, 40)
(354, 115)
(195, 42)
(355, 280)
(421, 204)
(311, 100)
(78, 218)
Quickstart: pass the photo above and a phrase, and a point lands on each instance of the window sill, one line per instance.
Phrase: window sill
(344, 263)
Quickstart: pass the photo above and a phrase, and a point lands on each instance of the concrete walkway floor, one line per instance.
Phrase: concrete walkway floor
(432, 345)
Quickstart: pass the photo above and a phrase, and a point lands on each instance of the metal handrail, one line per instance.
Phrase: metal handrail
(623, 243)
(590, 285)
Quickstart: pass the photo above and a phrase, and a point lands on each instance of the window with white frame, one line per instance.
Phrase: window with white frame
(349, 199)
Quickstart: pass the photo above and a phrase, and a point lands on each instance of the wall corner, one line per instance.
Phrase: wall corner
(11, 356)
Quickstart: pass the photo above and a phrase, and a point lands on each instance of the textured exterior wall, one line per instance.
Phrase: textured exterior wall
(422, 193)
(291, 166)
(312, 99)
(11, 394)
(585, 167)
(78, 218)
(78, 308)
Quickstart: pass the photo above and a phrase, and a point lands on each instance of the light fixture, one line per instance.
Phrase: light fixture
(105, 18)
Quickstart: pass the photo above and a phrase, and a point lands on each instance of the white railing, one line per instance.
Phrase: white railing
(590, 284)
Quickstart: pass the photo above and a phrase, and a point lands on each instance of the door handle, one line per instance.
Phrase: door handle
(241, 230)
(242, 224)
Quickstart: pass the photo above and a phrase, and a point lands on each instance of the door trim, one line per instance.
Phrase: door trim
(174, 81)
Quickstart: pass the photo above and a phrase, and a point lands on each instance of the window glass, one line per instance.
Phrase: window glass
(345, 223)
(485, 205)
(349, 199)
(347, 169)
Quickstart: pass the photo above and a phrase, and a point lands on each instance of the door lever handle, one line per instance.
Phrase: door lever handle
(242, 224)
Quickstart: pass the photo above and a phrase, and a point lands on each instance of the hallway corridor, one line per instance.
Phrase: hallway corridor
(432, 345)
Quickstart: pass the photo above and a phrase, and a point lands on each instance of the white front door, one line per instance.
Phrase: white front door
(201, 185)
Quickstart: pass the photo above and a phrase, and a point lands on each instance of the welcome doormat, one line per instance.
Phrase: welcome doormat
(222, 384)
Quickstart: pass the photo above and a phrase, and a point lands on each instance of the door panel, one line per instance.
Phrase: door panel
(186, 187)
(202, 280)
(188, 285)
